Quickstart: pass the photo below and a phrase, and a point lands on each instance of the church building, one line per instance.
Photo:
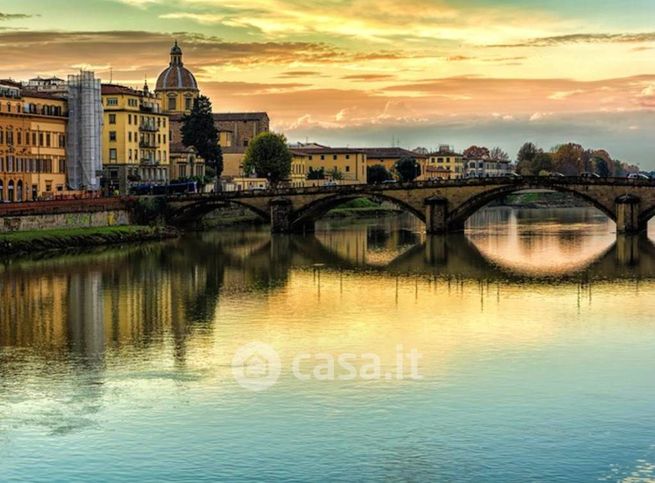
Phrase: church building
(177, 88)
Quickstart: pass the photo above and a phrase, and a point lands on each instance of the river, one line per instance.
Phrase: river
(521, 350)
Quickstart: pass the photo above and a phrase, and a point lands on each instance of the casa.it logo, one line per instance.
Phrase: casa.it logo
(256, 366)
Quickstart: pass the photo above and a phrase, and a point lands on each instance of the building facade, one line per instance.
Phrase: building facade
(388, 157)
(444, 163)
(32, 144)
(348, 164)
(178, 89)
(487, 168)
(135, 138)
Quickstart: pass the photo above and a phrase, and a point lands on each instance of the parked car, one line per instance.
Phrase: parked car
(587, 174)
(555, 174)
(390, 181)
(638, 176)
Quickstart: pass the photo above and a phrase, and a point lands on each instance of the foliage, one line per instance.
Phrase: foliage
(476, 152)
(569, 159)
(377, 174)
(269, 157)
(149, 210)
(542, 162)
(601, 167)
(199, 131)
(408, 169)
(334, 174)
(497, 154)
(316, 173)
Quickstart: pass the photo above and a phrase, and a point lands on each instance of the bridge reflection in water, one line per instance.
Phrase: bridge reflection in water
(160, 306)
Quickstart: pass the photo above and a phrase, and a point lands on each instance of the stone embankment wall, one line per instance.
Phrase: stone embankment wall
(50, 221)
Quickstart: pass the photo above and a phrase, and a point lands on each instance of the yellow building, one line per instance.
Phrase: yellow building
(135, 138)
(32, 144)
(445, 163)
(349, 163)
(388, 157)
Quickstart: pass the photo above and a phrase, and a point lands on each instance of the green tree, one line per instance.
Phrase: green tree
(525, 158)
(316, 173)
(334, 174)
(377, 174)
(408, 169)
(542, 162)
(269, 157)
(601, 167)
(199, 131)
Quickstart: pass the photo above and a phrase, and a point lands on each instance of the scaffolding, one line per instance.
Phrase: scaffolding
(84, 139)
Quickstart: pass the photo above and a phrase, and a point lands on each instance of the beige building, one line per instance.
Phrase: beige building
(388, 157)
(349, 164)
(32, 144)
(444, 163)
(135, 138)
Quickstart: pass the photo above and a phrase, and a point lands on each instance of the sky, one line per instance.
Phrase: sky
(374, 72)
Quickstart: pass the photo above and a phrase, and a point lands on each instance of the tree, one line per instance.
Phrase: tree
(269, 157)
(334, 174)
(476, 152)
(408, 169)
(377, 174)
(316, 173)
(601, 167)
(568, 159)
(542, 162)
(199, 131)
(497, 154)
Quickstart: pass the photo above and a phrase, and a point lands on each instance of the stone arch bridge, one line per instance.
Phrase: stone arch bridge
(444, 206)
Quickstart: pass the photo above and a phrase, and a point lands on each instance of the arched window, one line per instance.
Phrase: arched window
(2, 191)
(19, 191)
(10, 190)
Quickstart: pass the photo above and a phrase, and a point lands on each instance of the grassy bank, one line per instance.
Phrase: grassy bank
(23, 242)
(363, 208)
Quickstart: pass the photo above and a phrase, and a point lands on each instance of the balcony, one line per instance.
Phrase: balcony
(148, 127)
(148, 144)
(149, 162)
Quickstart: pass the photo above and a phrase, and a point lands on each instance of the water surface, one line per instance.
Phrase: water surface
(535, 328)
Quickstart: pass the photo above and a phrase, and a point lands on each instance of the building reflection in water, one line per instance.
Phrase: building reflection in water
(147, 296)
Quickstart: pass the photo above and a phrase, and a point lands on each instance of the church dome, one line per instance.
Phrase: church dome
(176, 77)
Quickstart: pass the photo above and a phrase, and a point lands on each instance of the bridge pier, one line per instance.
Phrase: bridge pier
(436, 215)
(281, 215)
(628, 215)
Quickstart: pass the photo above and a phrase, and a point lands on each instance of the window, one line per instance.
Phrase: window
(129, 136)
(172, 104)
(347, 156)
(112, 154)
(187, 104)
(112, 136)
(112, 118)
(129, 118)
(245, 143)
(347, 169)
(334, 156)
(112, 101)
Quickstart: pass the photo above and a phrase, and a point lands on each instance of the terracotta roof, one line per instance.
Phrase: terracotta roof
(391, 153)
(326, 150)
(109, 89)
(240, 116)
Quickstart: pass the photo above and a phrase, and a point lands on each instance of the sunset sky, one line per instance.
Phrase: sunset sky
(366, 72)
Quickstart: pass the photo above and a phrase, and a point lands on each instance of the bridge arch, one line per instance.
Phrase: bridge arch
(315, 210)
(458, 216)
(192, 212)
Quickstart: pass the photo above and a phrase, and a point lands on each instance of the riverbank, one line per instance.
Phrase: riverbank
(26, 242)
(542, 200)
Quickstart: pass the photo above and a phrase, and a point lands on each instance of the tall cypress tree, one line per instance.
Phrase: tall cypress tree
(199, 131)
